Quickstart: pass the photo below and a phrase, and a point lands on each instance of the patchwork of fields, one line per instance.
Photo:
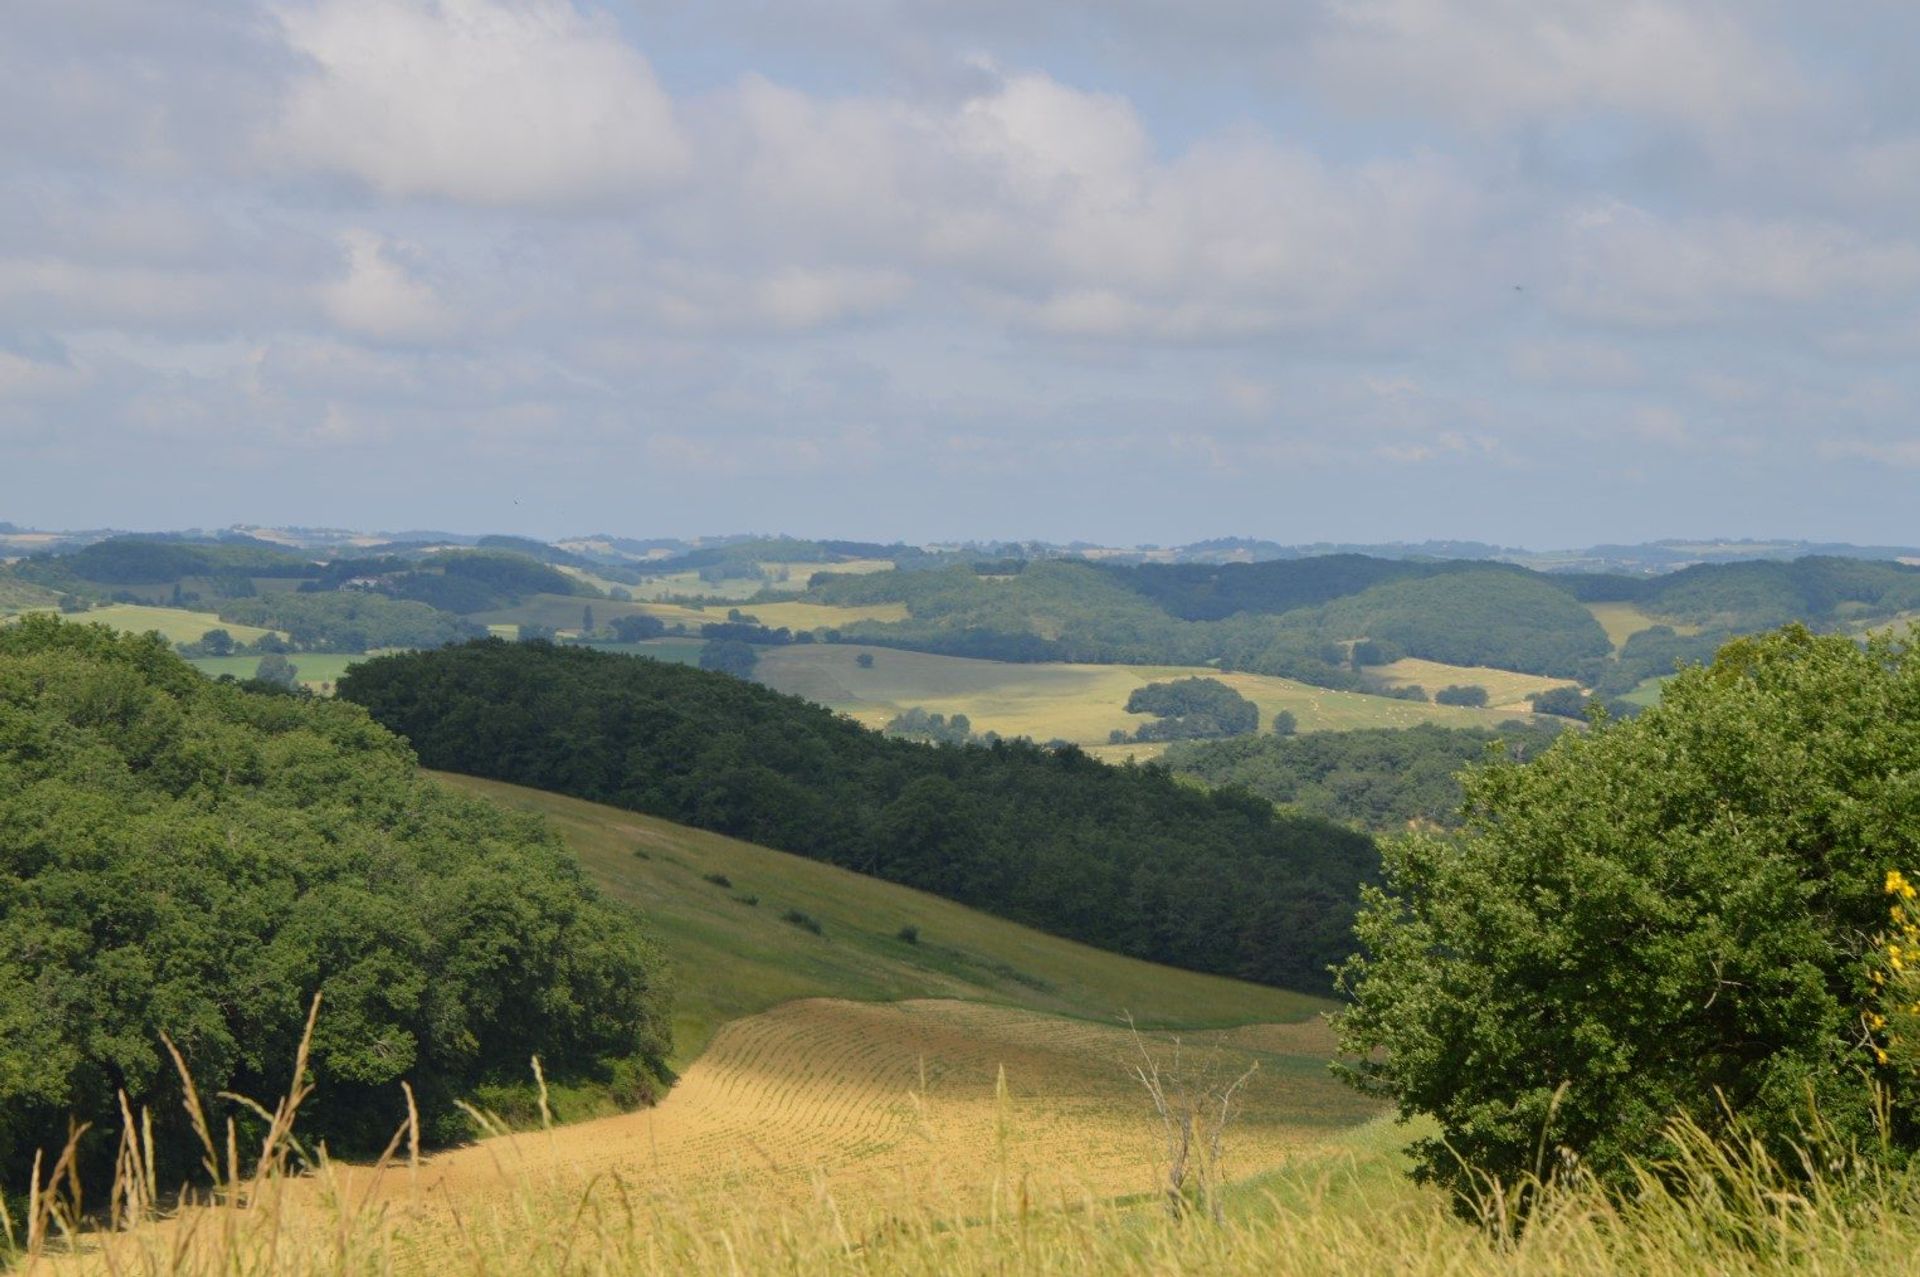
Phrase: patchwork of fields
(1079, 703)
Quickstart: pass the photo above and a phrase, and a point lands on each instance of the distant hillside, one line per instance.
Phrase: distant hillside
(1123, 858)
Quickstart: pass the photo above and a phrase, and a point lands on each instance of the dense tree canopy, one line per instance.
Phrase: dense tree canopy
(1124, 858)
(1666, 915)
(191, 858)
(349, 620)
(1192, 709)
(1377, 778)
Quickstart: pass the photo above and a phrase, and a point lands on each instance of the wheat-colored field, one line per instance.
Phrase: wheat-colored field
(1622, 621)
(944, 1093)
(1079, 703)
(176, 625)
(1507, 691)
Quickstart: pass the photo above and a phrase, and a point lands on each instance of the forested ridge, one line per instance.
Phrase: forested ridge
(199, 859)
(1124, 858)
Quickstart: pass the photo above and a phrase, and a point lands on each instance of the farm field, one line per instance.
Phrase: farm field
(874, 1095)
(311, 668)
(176, 625)
(1506, 690)
(733, 959)
(876, 1061)
(1622, 621)
(1079, 703)
(563, 612)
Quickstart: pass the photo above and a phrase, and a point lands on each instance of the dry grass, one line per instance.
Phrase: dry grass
(1507, 691)
(1716, 1210)
(1079, 703)
(176, 625)
(1622, 621)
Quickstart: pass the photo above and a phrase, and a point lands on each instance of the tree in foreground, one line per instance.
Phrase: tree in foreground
(1668, 916)
(194, 859)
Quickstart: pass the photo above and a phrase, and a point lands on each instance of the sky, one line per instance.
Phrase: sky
(1534, 272)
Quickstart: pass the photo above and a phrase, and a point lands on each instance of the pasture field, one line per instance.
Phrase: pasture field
(734, 959)
(23, 596)
(1622, 621)
(311, 668)
(683, 651)
(1047, 701)
(1506, 690)
(1647, 692)
(176, 625)
(563, 612)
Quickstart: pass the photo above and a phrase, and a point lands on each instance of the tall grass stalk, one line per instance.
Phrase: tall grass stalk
(1716, 1207)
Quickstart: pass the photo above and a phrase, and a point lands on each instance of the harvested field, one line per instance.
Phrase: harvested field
(871, 1095)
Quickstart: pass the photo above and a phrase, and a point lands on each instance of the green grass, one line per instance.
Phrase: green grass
(1079, 703)
(1647, 692)
(311, 668)
(733, 960)
(176, 625)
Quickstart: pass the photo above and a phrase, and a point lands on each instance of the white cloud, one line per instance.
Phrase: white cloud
(1626, 265)
(498, 102)
(1490, 63)
(379, 297)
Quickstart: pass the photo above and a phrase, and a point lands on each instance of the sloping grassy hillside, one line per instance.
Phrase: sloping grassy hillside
(732, 959)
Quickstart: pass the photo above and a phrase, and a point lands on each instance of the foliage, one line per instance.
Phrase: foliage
(1377, 778)
(933, 729)
(1193, 709)
(276, 669)
(1565, 702)
(187, 857)
(1461, 694)
(1663, 916)
(349, 620)
(729, 656)
(130, 560)
(636, 628)
(1480, 615)
(1124, 858)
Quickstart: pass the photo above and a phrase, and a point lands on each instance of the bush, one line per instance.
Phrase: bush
(1284, 723)
(718, 880)
(1459, 694)
(1567, 702)
(804, 921)
(909, 933)
(748, 899)
(864, 660)
(1666, 916)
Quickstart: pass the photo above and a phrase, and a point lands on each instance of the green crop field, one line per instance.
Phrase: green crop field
(176, 625)
(312, 668)
(1079, 703)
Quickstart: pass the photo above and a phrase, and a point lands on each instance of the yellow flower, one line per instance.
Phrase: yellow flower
(1879, 1055)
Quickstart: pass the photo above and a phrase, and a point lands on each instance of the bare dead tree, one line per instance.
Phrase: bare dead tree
(1195, 1102)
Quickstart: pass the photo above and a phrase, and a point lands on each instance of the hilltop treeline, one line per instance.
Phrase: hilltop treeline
(1299, 617)
(1124, 858)
(198, 859)
(1467, 614)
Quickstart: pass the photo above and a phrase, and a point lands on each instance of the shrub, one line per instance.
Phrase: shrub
(1567, 702)
(1461, 694)
(909, 933)
(804, 921)
(718, 880)
(1665, 916)
(748, 899)
(1284, 723)
(864, 660)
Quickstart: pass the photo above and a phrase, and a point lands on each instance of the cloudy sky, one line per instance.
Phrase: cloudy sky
(1540, 272)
